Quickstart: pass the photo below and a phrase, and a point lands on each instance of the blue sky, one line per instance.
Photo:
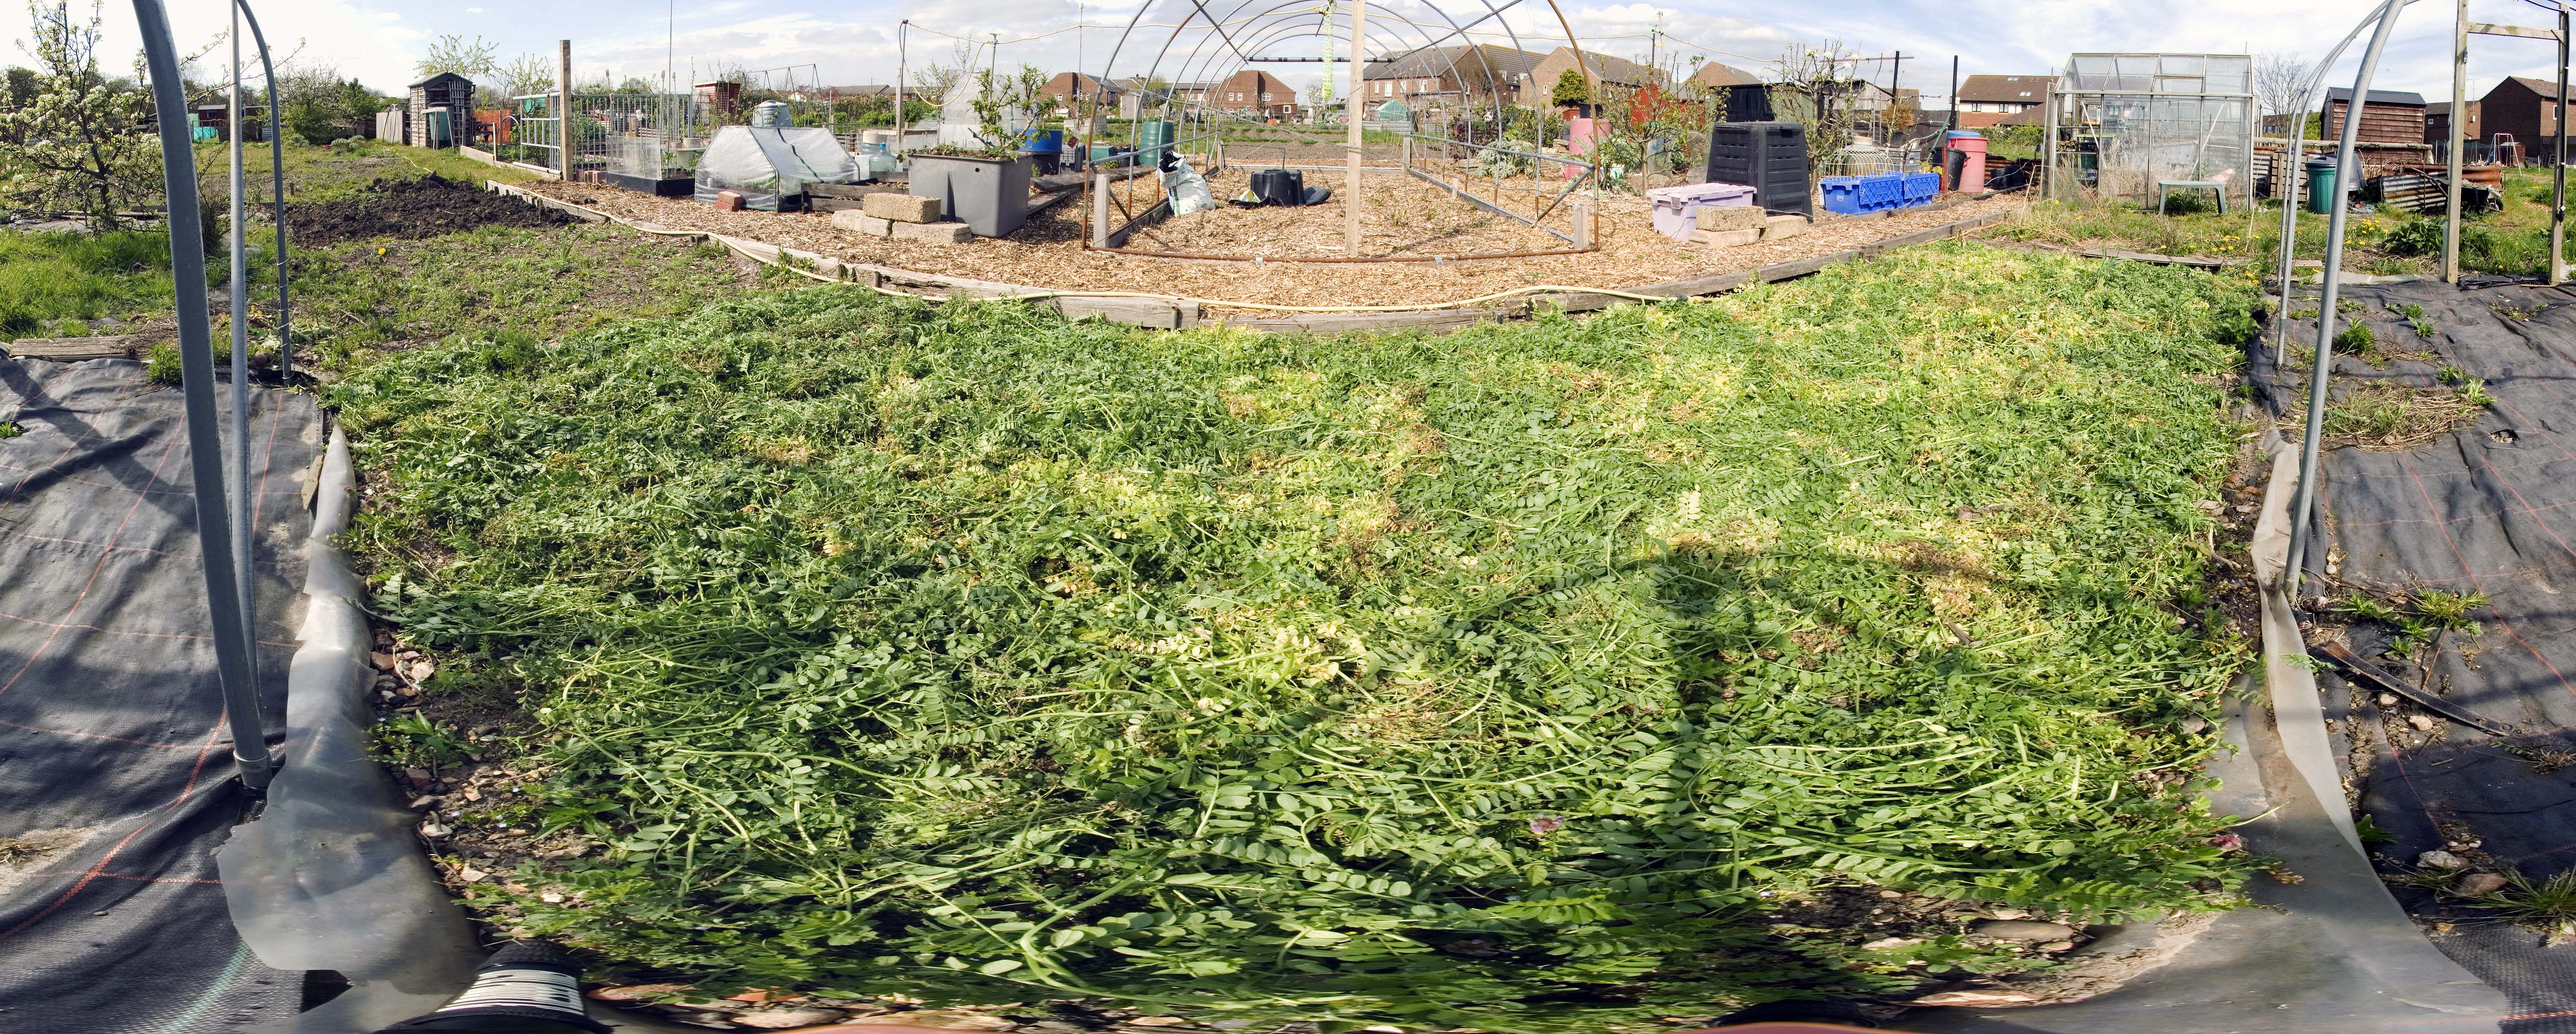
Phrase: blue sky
(378, 40)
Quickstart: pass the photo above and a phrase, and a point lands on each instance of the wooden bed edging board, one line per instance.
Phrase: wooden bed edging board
(1180, 313)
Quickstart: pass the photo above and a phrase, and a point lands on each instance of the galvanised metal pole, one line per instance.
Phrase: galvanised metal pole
(235, 666)
(2313, 96)
(2345, 166)
(239, 417)
(277, 178)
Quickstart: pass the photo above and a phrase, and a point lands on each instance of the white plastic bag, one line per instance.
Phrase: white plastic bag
(1187, 189)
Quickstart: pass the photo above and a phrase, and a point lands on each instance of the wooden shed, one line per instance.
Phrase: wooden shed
(2387, 117)
(445, 90)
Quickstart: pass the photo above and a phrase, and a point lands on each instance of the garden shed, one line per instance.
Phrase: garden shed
(448, 92)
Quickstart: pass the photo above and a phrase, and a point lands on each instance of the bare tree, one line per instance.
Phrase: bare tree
(2278, 79)
(1816, 87)
(934, 80)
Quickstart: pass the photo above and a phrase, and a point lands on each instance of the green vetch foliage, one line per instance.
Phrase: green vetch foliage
(1497, 679)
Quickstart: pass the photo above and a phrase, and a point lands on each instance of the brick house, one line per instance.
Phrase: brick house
(1068, 85)
(1611, 76)
(1986, 100)
(1715, 78)
(1254, 92)
(2437, 122)
(2523, 106)
(1474, 75)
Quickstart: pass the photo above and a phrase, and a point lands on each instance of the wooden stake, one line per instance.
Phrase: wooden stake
(2459, 142)
(2558, 167)
(563, 111)
(1359, 77)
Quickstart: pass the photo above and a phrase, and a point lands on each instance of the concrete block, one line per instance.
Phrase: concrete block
(1725, 238)
(903, 208)
(1780, 226)
(729, 200)
(933, 233)
(1730, 217)
(860, 222)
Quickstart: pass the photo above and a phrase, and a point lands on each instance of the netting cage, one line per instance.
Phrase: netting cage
(2135, 127)
(644, 135)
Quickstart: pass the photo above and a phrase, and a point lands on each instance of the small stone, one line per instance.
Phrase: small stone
(1890, 894)
(2058, 946)
(2422, 723)
(1885, 943)
(471, 874)
(2479, 884)
(385, 695)
(432, 830)
(2006, 913)
(636, 992)
(423, 801)
(2022, 930)
(406, 691)
(422, 670)
(2441, 860)
(2388, 700)
(783, 1019)
(556, 898)
(2195, 725)
(383, 661)
(473, 794)
(1977, 998)
(416, 774)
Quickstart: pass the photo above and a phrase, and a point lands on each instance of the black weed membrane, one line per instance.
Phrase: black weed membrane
(2447, 562)
(116, 773)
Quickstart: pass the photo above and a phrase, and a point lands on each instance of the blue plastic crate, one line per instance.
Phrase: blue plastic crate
(1842, 194)
(1921, 187)
(1886, 190)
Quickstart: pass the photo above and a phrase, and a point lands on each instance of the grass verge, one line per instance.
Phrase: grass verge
(1509, 679)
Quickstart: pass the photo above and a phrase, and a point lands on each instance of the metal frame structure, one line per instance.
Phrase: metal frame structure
(227, 570)
(2462, 29)
(1244, 35)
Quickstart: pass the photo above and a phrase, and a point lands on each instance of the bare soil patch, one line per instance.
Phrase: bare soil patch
(411, 210)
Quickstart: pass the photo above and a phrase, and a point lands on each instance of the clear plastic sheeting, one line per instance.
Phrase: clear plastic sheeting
(2131, 127)
(766, 165)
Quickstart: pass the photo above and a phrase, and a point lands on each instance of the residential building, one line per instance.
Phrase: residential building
(1256, 93)
(2387, 117)
(2522, 106)
(1611, 76)
(1083, 85)
(1715, 78)
(2437, 123)
(1463, 75)
(1985, 100)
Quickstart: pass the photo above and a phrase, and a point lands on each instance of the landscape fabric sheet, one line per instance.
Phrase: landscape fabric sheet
(2486, 508)
(115, 760)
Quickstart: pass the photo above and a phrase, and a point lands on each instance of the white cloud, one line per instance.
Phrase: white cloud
(360, 40)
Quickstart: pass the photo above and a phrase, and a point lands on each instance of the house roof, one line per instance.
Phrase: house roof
(1714, 74)
(2398, 97)
(2006, 89)
(1085, 82)
(2544, 87)
(867, 90)
(1483, 61)
(443, 76)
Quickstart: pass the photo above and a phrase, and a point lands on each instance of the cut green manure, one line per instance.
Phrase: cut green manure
(1500, 679)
